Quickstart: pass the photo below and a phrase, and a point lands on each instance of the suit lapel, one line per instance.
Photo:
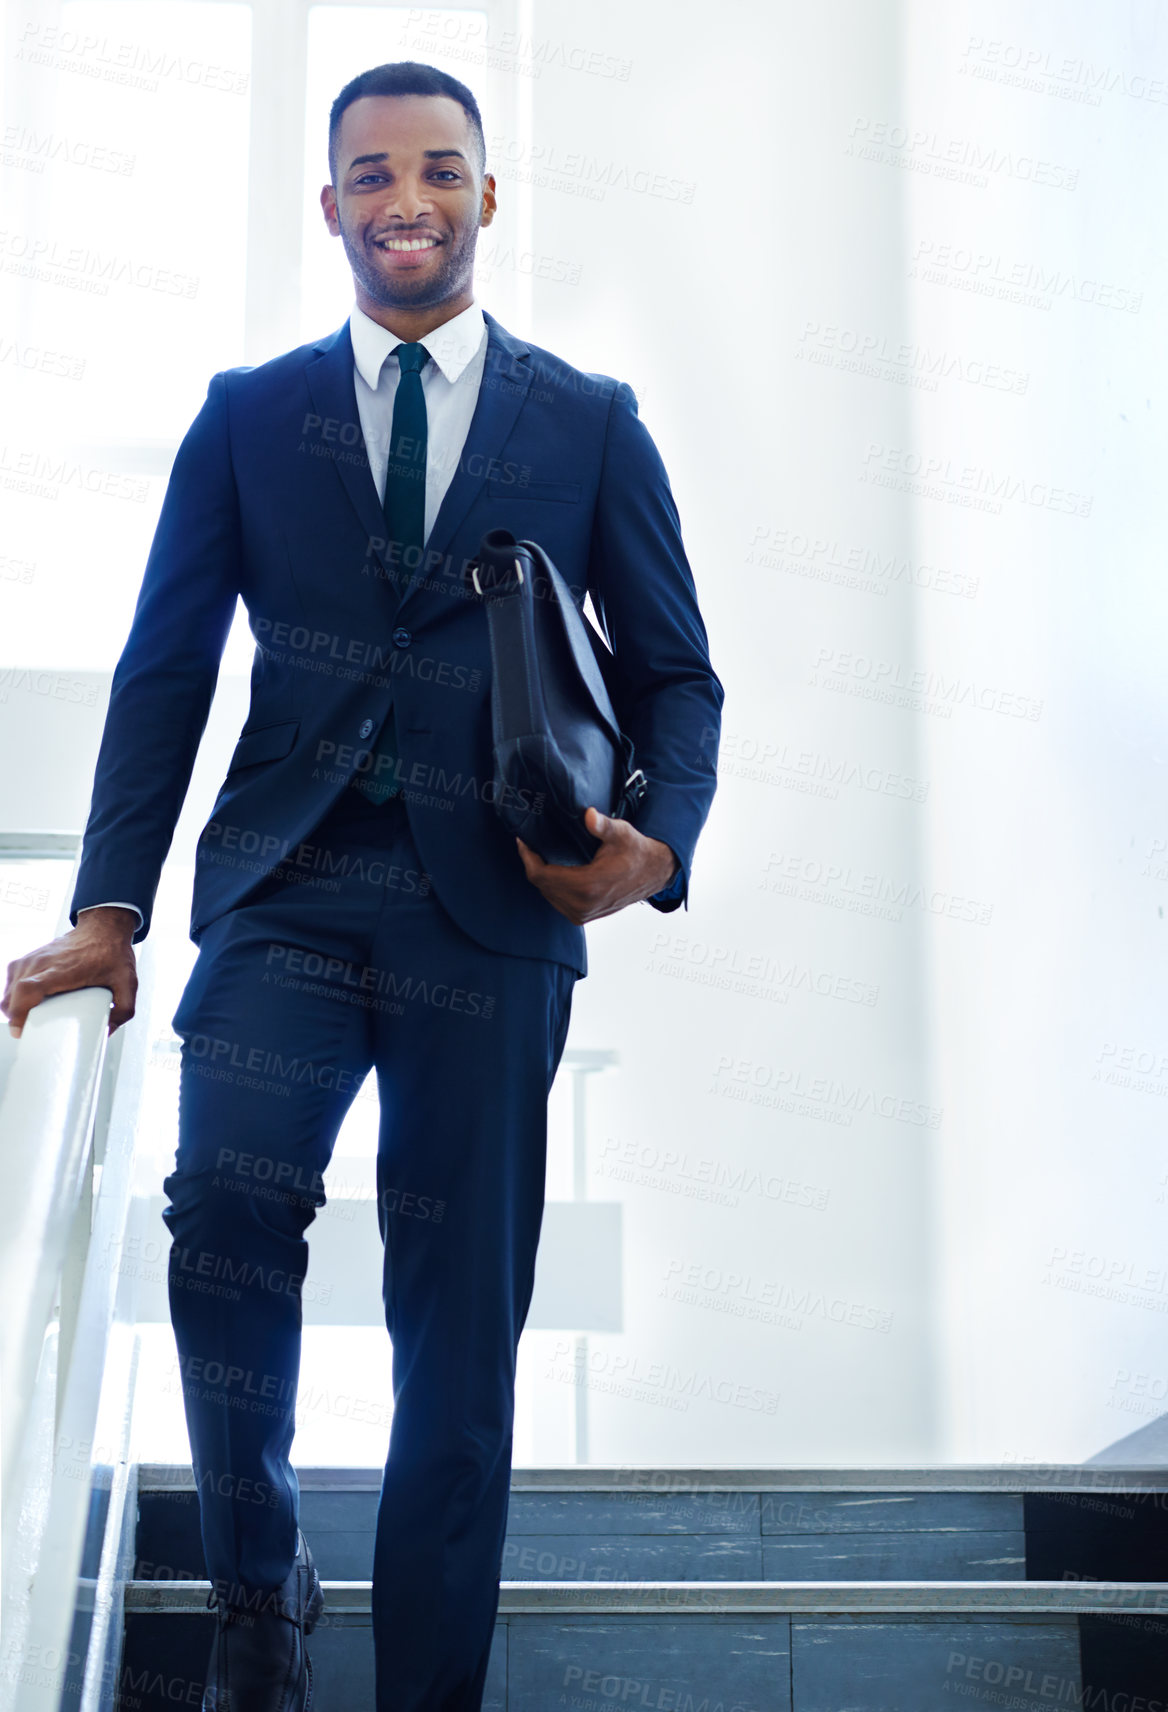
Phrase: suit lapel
(334, 398)
(506, 380)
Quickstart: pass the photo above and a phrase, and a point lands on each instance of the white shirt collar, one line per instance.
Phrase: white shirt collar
(451, 346)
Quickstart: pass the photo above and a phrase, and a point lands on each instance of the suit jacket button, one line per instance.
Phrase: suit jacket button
(402, 637)
(366, 728)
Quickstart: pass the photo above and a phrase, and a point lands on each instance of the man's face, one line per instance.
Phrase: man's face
(407, 202)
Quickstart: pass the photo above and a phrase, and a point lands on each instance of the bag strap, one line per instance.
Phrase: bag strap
(517, 705)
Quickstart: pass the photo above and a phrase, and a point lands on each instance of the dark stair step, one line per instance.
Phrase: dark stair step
(773, 1590)
(770, 1647)
(598, 1524)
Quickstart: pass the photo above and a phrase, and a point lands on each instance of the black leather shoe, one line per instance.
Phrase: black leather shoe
(258, 1661)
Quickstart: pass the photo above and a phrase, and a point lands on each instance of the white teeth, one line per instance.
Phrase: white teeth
(408, 244)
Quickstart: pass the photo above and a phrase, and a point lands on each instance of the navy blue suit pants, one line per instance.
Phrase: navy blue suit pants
(342, 961)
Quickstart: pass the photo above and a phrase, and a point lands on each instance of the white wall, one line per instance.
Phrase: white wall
(1053, 1224)
(704, 305)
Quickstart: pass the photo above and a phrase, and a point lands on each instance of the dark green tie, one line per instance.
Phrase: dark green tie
(405, 528)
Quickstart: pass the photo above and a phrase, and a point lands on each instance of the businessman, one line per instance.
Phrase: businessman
(358, 903)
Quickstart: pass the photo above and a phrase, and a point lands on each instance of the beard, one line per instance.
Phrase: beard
(409, 290)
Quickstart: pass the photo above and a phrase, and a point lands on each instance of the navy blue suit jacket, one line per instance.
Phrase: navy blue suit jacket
(271, 498)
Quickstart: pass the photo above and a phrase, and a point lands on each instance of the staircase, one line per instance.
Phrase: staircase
(733, 1590)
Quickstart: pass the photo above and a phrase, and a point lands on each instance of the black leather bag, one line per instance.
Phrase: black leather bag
(558, 745)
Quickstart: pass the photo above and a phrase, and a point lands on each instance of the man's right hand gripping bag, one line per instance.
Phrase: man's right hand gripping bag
(558, 746)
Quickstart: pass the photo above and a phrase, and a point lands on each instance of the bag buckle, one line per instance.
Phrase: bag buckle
(474, 576)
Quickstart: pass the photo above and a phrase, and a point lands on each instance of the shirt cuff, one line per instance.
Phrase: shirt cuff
(114, 904)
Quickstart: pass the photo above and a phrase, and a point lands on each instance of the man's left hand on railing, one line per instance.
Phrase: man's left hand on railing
(98, 952)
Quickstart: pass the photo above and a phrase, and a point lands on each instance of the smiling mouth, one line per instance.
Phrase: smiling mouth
(405, 246)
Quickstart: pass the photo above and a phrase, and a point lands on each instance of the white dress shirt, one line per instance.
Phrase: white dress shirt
(450, 386)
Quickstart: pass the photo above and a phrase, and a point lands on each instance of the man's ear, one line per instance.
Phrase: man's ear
(489, 203)
(328, 202)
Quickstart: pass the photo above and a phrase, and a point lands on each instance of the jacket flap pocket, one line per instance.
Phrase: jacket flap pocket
(567, 493)
(265, 743)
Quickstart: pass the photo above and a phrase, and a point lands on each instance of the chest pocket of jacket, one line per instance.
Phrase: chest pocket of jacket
(565, 493)
(265, 743)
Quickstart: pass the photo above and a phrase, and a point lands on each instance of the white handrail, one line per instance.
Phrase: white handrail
(46, 1125)
(68, 1108)
(68, 1344)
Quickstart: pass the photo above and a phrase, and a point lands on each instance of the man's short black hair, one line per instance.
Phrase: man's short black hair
(407, 77)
